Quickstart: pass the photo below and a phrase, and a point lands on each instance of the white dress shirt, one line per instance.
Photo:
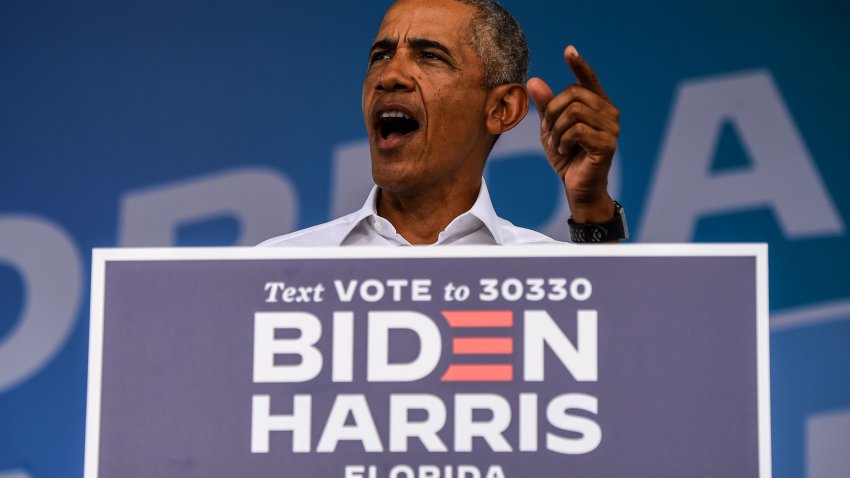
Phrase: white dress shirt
(480, 225)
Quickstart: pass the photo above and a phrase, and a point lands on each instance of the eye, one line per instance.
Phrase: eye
(428, 55)
(378, 56)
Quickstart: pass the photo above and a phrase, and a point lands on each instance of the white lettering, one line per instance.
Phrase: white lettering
(528, 422)
(379, 369)
(343, 347)
(782, 177)
(262, 200)
(396, 285)
(371, 290)
(402, 471)
(401, 428)
(355, 471)
(589, 431)
(267, 347)
(468, 471)
(540, 329)
(345, 292)
(263, 423)
(363, 429)
(495, 471)
(466, 427)
(51, 271)
(421, 290)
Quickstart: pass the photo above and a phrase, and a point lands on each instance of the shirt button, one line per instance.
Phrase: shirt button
(378, 226)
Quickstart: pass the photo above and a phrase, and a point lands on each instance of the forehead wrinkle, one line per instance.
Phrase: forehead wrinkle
(401, 24)
(421, 23)
(388, 43)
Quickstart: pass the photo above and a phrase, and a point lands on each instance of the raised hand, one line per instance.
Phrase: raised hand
(579, 130)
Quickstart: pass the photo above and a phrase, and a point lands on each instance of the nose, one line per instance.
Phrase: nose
(396, 75)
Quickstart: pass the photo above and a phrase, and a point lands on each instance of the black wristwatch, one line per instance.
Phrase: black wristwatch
(614, 229)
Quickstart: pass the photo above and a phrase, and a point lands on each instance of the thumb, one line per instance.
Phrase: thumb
(540, 93)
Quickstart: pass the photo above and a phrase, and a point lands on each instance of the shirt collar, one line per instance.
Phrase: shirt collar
(481, 212)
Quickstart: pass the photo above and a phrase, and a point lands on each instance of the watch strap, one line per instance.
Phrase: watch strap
(592, 232)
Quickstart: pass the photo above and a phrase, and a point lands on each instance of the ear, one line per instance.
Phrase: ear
(506, 106)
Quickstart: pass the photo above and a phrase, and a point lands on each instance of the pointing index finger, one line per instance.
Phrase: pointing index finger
(584, 73)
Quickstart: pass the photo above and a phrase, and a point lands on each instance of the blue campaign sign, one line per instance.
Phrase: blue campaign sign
(226, 123)
(464, 362)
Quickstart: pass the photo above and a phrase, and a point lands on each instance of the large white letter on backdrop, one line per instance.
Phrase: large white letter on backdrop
(262, 201)
(782, 175)
(51, 270)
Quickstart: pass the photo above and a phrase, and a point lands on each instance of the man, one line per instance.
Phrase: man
(445, 79)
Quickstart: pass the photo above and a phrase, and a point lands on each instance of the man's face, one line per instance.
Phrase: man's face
(423, 99)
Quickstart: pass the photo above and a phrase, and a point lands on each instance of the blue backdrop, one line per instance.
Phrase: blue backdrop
(218, 122)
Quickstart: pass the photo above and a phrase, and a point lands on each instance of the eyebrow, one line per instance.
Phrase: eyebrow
(384, 44)
(389, 44)
(426, 44)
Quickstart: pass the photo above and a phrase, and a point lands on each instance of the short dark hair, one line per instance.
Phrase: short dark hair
(498, 40)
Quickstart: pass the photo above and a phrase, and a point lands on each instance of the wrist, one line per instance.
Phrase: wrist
(611, 229)
(597, 212)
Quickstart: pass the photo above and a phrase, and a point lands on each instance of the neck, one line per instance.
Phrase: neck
(420, 217)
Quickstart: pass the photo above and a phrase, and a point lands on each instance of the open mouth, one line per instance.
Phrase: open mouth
(395, 124)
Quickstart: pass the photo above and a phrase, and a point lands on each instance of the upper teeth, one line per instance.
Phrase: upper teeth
(394, 114)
